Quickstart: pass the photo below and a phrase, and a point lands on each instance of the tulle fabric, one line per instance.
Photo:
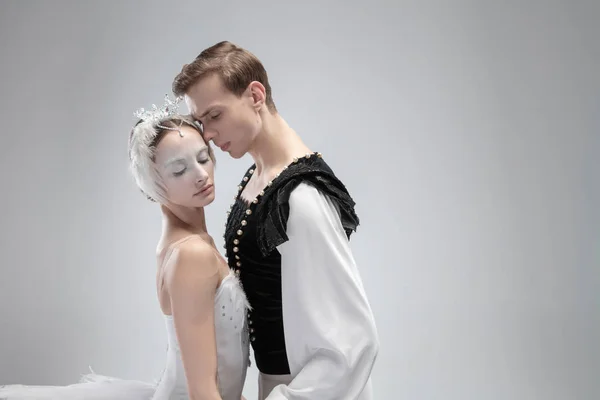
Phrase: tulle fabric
(231, 306)
(90, 387)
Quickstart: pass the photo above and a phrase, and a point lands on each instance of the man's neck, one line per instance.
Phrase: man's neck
(276, 145)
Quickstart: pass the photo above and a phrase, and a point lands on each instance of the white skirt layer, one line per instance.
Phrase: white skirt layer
(90, 387)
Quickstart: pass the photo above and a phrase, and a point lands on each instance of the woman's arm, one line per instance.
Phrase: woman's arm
(192, 278)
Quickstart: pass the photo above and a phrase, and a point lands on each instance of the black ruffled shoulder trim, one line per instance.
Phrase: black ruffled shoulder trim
(272, 211)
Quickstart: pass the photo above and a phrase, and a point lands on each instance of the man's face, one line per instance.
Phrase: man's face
(231, 122)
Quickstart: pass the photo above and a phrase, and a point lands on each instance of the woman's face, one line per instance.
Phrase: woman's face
(187, 171)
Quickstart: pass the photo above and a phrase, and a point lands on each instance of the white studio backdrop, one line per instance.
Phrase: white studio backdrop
(466, 131)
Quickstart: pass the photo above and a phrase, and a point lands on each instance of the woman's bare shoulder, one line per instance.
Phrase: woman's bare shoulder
(192, 261)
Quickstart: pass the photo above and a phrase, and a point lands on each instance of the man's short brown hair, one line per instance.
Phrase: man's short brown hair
(236, 67)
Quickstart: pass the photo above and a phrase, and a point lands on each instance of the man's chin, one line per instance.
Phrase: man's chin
(235, 155)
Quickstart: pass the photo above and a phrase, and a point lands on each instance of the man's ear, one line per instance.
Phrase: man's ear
(258, 93)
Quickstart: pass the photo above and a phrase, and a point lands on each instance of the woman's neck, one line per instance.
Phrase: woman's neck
(182, 218)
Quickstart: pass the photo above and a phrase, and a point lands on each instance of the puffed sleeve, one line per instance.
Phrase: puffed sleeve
(330, 333)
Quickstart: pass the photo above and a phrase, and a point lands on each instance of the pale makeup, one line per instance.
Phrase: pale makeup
(185, 167)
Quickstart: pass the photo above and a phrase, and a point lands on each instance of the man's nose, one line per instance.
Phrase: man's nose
(209, 134)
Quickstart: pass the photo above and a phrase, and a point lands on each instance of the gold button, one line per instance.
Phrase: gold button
(235, 249)
(244, 223)
(235, 241)
(239, 263)
(239, 232)
(237, 257)
(255, 201)
(248, 212)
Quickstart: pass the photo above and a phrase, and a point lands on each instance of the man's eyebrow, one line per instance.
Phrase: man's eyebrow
(204, 114)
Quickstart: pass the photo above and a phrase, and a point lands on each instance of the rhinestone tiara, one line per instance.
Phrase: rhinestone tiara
(155, 115)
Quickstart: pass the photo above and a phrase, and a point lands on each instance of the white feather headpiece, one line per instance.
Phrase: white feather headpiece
(141, 153)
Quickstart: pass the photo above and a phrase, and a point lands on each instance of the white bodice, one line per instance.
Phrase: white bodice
(232, 347)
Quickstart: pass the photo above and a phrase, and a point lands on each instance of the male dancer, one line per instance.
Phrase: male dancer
(311, 326)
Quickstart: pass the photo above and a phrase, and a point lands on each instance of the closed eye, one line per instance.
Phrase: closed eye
(202, 156)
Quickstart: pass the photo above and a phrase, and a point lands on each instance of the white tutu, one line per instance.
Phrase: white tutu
(231, 330)
(90, 387)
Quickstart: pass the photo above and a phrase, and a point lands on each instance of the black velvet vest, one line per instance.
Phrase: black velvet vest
(252, 234)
